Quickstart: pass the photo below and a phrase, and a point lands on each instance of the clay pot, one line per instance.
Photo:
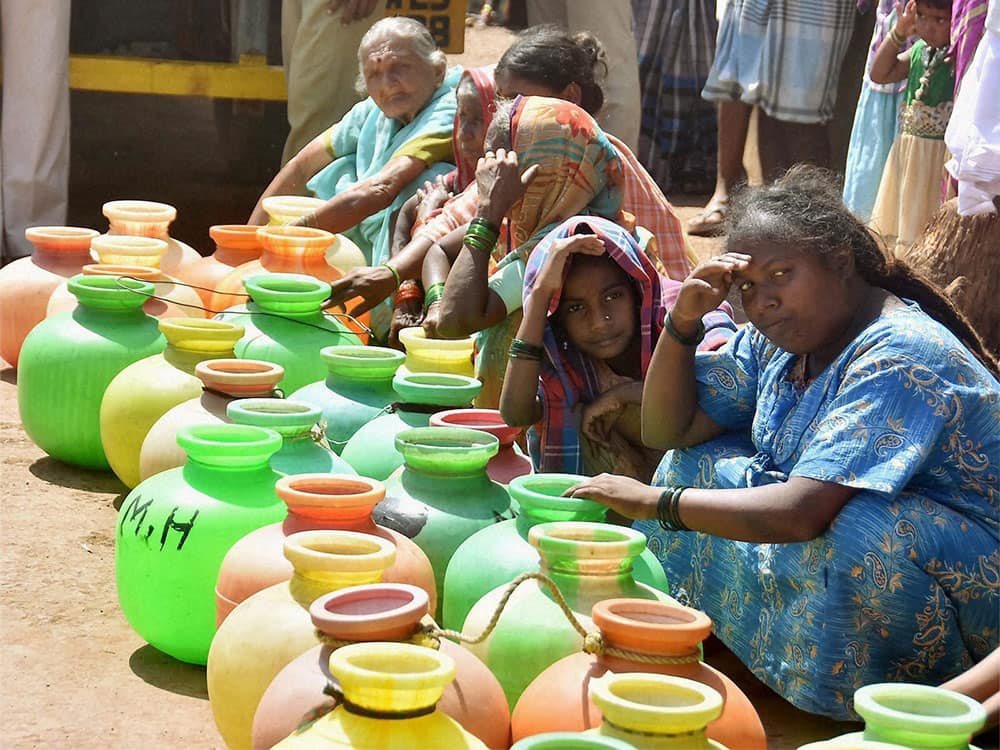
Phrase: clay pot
(138, 218)
(557, 699)
(588, 562)
(27, 283)
(315, 501)
(510, 461)
(222, 381)
(378, 612)
(144, 391)
(272, 627)
(235, 244)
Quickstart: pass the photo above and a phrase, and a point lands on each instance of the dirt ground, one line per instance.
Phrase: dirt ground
(72, 673)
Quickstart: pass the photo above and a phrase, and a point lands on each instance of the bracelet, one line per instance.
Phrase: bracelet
(483, 228)
(667, 509)
(477, 242)
(434, 294)
(408, 290)
(668, 326)
(896, 38)
(523, 350)
(395, 275)
(309, 220)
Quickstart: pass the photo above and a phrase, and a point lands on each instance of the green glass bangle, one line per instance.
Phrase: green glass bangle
(434, 294)
(478, 243)
(395, 275)
(668, 326)
(480, 223)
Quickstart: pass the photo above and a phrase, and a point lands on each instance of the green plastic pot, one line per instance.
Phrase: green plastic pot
(372, 449)
(442, 495)
(175, 528)
(539, 500)
(67, 362)
(303, 447)
(285, 324)
(357, 387)
(570, 741)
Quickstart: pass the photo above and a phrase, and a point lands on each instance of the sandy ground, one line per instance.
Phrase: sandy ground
(72, 673)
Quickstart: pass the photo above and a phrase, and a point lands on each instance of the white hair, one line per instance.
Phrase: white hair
(395, 28)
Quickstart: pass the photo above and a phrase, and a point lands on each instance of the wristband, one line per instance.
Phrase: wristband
(523, 350)
(668, 326)
(434, 294)
(395, 275)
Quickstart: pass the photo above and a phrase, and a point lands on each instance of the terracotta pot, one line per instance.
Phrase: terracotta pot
(272, 627)
(378, 612)
(151, 219)
(169, 300)
(222, 381)
(235, 244)
(557, 699)
(510, 461)
(27, 283)
(315, 501)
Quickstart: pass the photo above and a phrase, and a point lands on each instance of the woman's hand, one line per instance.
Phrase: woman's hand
(406, 314)
(706, 288)
(373, 285)
(906, 18)
(432, 318)
(500, 183)
(629, 497)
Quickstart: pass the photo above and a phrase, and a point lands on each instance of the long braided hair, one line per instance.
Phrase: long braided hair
(804, 207)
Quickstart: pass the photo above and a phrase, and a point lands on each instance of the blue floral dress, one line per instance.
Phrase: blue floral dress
(905, 584)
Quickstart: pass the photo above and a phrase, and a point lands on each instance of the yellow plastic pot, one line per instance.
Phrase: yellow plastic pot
(272, 627)
(144, 391)
(390, 691)
(437, 355)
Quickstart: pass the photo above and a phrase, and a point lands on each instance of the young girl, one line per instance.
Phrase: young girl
(833, 493)
(593, 312)
(911, 186)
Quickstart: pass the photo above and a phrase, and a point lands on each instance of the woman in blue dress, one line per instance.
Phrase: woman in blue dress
(831, 497)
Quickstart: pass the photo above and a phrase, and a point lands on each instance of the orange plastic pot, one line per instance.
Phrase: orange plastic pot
(235, 244)
(378, 612)
(27, 283)
(557, 700)
(138, 218)
(315, 501)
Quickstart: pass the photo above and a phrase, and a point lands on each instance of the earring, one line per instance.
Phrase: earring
(565, 345)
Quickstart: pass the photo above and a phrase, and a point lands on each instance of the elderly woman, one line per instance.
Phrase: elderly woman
(370, 162)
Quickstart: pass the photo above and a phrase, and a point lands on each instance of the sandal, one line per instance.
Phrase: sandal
(702, 224)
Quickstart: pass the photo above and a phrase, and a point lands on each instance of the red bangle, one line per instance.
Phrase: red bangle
(408, 290)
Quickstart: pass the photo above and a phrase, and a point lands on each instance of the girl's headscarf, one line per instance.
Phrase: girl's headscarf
(568, 377)
(581, 172)
(465, 170)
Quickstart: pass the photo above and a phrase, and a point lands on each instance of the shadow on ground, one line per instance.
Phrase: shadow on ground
(165, 672)
(56, 472)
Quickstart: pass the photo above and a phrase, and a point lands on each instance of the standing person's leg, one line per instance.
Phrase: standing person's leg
(34, 161)
(611, 22)
(782, 144)
(734, 121)
(321, 67)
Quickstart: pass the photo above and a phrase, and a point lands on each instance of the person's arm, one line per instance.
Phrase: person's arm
(797, 510)
(519, 403)
(981, 682)
(350, 207)
(292, 178)
(403, 228)
(671, 417)
(890, 63)
(435, 272)
(468, 306)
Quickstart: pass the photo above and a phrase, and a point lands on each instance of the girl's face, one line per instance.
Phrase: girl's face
(597, 307)
(933, 25)
(792, 298)
(471, 123)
